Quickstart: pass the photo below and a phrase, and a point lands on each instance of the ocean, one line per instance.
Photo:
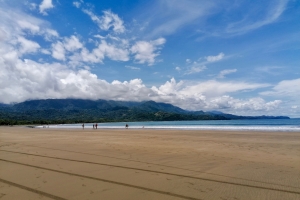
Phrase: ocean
(244, 125)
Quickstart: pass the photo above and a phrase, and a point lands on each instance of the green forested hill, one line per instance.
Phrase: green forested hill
(53, 111)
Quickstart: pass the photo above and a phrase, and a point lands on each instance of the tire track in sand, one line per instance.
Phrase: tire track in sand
(32, 190)
(103, 180)
(149, 189)
(261, 182)
(165, 173)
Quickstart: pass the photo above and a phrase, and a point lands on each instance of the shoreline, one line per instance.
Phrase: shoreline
(236, 129)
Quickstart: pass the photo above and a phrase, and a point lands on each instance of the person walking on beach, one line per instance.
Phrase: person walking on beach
(82, 126)
(93, 126)
(126, 126)
(96, 125)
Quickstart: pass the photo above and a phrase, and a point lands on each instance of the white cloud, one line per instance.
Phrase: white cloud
(50, 33)
(46, 51)
(132, 67)
(253, 104)
(72, 43)
(76, 4)
(213, 88)
(107, 21)
(146, 52)
(29, 26)
(70, 48)
(211, 95)
(98, 54)
(27, 46)
(272, 11)
(195, 69)
(58, 51)
(113, 52)
(286, 88)
(15, 23)
(225, 72)
(33, 80)
(31, 6)
(168, 16)
(45, 5)
(218, 57)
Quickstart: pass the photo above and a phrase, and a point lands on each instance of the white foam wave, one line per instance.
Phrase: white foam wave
(182, 127)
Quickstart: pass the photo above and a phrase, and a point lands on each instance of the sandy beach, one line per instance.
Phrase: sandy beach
(148, 164)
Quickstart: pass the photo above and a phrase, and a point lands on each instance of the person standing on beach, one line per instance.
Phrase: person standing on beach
(96, 125)
(126, 126)
(93, 126)
(82, 126)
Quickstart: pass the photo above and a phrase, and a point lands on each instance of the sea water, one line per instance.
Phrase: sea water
(244, 124)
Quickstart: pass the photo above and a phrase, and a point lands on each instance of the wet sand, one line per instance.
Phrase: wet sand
(148, 164)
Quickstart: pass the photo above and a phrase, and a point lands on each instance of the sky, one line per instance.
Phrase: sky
(235, 56)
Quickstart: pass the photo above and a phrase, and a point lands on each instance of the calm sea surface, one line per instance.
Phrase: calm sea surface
(250, 125)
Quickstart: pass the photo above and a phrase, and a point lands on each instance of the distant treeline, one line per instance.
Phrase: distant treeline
(68, 111)
(90, 116)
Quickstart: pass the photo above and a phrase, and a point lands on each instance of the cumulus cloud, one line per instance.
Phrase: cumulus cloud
(45, 5)
(218, 57)
(34, 80)
(98, 54)
(107, 20)
(113, 52)
(72, 50)
(225, 72)
(211, 95)
(146, 52)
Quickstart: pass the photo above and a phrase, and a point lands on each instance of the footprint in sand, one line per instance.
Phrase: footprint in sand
(2, 195)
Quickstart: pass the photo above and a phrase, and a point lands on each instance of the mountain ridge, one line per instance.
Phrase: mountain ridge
(49, 111)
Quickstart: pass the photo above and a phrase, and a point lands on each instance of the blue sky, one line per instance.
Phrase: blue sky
(240, 57)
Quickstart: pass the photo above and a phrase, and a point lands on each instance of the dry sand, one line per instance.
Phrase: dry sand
(148, 164)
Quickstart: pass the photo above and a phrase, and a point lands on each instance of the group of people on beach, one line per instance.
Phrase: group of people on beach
(95, 126)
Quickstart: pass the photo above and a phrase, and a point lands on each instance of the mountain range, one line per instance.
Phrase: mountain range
(53, 111)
